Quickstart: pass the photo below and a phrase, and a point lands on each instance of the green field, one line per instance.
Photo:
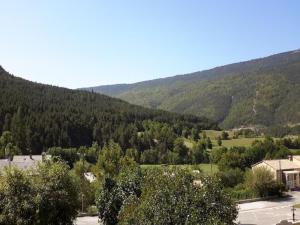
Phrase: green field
(206, 168)
(244, 142)
(240, 142)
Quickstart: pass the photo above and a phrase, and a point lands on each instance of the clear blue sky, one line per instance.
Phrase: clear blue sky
(86, 43)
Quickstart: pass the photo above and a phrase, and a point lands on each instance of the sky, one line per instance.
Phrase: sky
(75, 44)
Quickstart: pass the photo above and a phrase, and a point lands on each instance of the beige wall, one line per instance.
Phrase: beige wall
(296, 160)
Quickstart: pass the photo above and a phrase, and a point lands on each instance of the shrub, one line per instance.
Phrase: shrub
(231, 177)
(240, 192)
(261, 181)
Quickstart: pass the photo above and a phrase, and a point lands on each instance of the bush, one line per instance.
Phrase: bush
(240, 192)
(231, 177)
(261, 181)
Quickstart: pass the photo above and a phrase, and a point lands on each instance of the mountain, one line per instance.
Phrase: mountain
(41, 116)
(263, 92)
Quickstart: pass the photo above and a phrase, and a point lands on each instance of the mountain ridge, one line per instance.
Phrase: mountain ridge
(223, 100)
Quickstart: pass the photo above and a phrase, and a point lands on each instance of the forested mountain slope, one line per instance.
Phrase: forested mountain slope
(264, 91)
(41, 116)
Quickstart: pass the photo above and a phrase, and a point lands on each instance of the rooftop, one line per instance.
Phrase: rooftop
(27, 158)
(22, 162)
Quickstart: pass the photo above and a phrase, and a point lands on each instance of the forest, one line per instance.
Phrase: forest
(41, 116)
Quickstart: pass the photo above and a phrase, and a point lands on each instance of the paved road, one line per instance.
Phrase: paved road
(87, 220)
(268, 212)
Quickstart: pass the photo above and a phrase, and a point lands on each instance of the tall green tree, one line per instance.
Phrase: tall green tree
(19, 130)
(181, 150)
(109, 160)
(199, 154)
(7, 145)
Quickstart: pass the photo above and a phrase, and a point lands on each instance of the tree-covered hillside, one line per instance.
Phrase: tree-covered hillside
(264, 92)
(41, 116)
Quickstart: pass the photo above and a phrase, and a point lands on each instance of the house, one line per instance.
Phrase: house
(286, 171)
(22, 162)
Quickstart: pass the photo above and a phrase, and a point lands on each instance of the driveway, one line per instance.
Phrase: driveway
(268, 212)
(87, 220)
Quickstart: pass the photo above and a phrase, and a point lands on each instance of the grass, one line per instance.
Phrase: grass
(207, 169)
(239, 142)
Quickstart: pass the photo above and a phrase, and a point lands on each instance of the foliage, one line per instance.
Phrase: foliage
(232, 159)
(282, 130)
(133, 154)
(241, 191)
(109, 159)
(199, 154)
(204, 168)
(114, 191)
(57, 198)
(261, 181)
(219, 141)
(46, 196)
(8, 147)
(242, 158)
(224, 135)
(290, 143)
(208, 143)
(169, 197)
(247, 133)
(17, 198)
(231, 177)
(87, 189)
(69, 155)
(149, 156)
(181, 150)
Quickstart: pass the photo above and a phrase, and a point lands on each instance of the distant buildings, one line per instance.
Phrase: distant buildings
(286, 171)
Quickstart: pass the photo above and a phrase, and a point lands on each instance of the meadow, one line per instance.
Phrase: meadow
(231, 142)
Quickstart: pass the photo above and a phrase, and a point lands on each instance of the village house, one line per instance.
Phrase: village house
(286, 171)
